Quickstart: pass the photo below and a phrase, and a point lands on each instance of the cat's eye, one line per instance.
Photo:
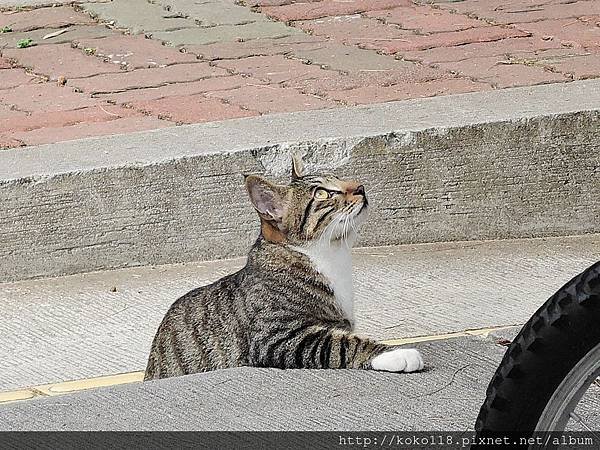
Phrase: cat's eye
(322, 194)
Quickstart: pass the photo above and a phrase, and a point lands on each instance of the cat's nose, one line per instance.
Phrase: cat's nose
(359, 190)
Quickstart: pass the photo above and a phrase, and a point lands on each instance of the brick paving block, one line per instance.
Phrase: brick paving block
(254, 47)
(532, 11)
(557, 54)
(210, 14)
(502, 72)
(426, 19)
(141, 78)
(365, 64)
(450, 39)
(326, 8)
(56, 17)
(481, 8)
(180, 89)
(137, 15)
(272, 99)
(569, 32)
(578, 67)
(336, 56)
(492, 48)
(84, 130)
(353, 29)
(10, 78)
(44, 97)
(58, 60)
(134, 52)
(56, 119)
(274, 69)
(9, 40)
(192, 109)
(226, 33)
(404, 91)
(334, 81)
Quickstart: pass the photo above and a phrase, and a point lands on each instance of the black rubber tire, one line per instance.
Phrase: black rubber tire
(548, 346)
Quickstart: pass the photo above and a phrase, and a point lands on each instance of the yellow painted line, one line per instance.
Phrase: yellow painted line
(484, 332)
(15, 396)
(70, 386)
(90, 383)
(67, 387)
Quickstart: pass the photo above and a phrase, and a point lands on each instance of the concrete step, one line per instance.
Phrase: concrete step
(513, 163)
(102, 323)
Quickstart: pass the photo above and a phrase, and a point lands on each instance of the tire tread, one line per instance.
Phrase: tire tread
(506, 407)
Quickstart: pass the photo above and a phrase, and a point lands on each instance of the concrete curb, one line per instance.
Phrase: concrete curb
(513, 163)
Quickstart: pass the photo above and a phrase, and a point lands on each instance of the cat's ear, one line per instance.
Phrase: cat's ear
(267, 198)
(297, 166)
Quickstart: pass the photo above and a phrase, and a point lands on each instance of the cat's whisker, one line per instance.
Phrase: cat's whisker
(332, 227)
(327, 233)
(339, 223)
(348, 230)
(353, 224)
(342, 223)
(348, 226)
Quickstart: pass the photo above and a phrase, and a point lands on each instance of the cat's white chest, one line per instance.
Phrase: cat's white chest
(335, 263)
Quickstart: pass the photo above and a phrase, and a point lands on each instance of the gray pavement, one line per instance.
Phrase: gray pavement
(74, 327)
(438, 169)
(446, 396)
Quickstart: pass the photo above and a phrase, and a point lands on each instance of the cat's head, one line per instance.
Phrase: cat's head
(312, 208)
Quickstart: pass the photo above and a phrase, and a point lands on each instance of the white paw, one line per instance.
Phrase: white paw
(399, 360)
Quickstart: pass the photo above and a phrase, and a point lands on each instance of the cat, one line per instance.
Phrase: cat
(291, 306)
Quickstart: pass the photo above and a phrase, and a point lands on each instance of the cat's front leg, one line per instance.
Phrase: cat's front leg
(398, 360)
(319, 347)
(364, 353)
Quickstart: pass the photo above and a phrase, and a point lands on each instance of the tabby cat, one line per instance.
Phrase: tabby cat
(291, 306)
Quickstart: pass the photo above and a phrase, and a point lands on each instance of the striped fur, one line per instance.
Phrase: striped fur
(282, 309)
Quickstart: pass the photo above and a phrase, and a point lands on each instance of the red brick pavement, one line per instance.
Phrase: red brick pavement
(93, 79)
